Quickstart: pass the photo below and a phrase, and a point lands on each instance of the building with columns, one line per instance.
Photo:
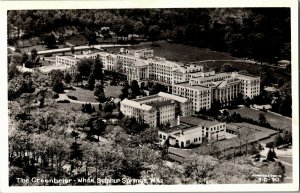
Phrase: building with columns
(205, 87)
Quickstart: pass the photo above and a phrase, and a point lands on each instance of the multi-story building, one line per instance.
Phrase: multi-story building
(65, 63)
(250, 85)
(109, 61)
(192, 130)
(205, 87)
(156, 109)
(200, 96)
(67, 60)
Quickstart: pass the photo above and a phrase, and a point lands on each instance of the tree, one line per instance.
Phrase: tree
(262, 119)
(287, 137)
(278, 140)
(33, 54)
(271, 155)
(72, 49)
(135, 88)
(108, 107)
(124, 93)
(139, 28)
(154, 33)
(58, 86)
(178, 34)
(56, 75)
(91, 37)
(99, 93)
(68, 78)
(50, 40)
(156, 88)
(277, 168)
(98, 127)
(200, 168)
(97, 69)
(24, 57)
(77, 78)
(84, 67)
(91, 82)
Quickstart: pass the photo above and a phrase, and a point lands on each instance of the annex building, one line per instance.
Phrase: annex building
(156, 109)
(191, 130)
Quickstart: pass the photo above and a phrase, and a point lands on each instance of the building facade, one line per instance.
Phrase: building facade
(192, 131)
(205, 87)
(156, 109)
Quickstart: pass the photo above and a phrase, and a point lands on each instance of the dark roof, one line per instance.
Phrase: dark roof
(161, 103)
(146, 98)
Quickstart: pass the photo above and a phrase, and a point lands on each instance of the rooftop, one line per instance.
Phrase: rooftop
(147, 98)
(46, 69)
(136, 105)
(187, 85)
(173, 97)
(191, 120)
(161, 103)
(68, 57)
(249, 77)
(140, 63)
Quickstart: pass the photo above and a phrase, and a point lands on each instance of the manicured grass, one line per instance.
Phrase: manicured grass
(113, 91)
(286, 159)
(274, 120)
(182, 53)
(83, 95)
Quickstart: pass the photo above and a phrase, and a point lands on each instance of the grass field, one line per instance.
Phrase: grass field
(83, 95)
(183, 53)
(113, 91)
(286, 159)
(274, 120)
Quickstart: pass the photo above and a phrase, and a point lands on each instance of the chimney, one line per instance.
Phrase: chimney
(178, 120)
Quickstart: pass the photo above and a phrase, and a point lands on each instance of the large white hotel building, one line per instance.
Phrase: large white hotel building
(185, 80)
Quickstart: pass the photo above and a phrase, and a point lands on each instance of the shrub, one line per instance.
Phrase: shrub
(47, 54)
(55, 96)
(72, 97)
(270, 144)
(63, 101)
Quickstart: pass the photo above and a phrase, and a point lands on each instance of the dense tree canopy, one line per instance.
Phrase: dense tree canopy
(259, 33)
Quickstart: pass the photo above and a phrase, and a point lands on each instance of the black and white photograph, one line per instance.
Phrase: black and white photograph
(135, 96)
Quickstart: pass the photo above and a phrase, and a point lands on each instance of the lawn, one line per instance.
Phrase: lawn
(286, 159)
(182, 53)
(113, 91)
(83, 95)
(273, 119)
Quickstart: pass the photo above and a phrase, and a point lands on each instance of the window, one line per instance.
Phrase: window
(188, 142)
(164, 137)
(160, 136)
